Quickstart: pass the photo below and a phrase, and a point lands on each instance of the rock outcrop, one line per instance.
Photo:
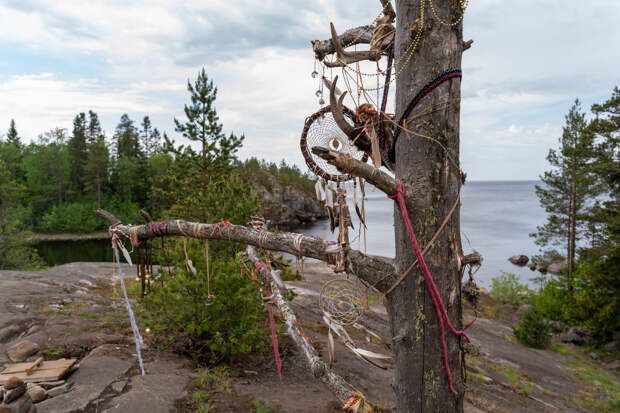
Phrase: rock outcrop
(288, 205)
(519, 259)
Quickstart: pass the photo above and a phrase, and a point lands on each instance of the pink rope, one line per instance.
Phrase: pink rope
(274, 339)
(274, 336)
(430, 283)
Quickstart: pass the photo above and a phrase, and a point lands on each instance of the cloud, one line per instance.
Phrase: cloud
(529, 61)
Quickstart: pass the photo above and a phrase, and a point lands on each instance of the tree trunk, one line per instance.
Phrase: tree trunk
(572, 233)
(420, 380)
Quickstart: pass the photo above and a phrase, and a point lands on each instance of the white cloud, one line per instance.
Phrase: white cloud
(529, 60)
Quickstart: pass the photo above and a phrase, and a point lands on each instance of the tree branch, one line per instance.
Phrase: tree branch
(341, 389)
(357, 35)
(345, 163)
(374, 270)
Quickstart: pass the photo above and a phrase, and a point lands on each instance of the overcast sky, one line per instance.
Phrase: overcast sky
(529, 61)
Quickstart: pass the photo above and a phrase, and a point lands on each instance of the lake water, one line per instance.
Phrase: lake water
(496, 217)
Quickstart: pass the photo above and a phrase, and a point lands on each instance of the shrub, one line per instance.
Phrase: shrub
(506, 289)
(532, 331)
(181, 317)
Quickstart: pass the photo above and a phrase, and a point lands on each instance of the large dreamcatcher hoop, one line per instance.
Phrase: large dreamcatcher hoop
(322, 130)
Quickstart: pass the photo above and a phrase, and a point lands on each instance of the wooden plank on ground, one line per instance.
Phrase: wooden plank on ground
(46, 371)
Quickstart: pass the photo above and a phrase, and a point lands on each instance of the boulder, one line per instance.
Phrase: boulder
(523, 309)
(12, 383)
(595, 357)
(579, 336)
(531, 265)
(519, 259)
(555, 327)
(613, 346)
(23, 404)
(37, 394)
(21, 351)
(557, 267)
(614, 365)
(14, 394)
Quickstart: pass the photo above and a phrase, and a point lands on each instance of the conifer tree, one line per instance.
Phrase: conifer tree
(202, 183)
(567, 188)
(12, 136)
(94, 132)
(78, 152)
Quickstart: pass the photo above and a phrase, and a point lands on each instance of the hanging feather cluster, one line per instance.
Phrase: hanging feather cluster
(348, 342)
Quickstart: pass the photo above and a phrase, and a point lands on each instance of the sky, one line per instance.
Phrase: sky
(529, 61)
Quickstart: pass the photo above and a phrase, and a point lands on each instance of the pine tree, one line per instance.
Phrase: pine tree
(78, 152)
(11, 152)
(568, 188)
(202, 184)
(12, 136)
(96, 169)
(128, 177)
(94, 132)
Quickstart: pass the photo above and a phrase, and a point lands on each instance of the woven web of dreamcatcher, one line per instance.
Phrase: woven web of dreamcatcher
(342, 299)
(322, 130)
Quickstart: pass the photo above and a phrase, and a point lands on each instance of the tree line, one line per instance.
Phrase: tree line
(55, 182)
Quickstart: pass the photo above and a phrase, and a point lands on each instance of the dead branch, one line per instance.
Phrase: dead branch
(338, 386)
(345, 163)
(357, 35)
(467, 44)
(344, 58)
(369, 268)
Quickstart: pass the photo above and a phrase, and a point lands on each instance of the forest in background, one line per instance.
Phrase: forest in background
(54, 183)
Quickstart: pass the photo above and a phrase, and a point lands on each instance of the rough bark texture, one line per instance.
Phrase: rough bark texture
(420, 382)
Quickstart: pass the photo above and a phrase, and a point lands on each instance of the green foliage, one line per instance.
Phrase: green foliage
(506, 289)
(552, 301)
(14, 253)
(262, 406)
(179, 314)
(533, 331)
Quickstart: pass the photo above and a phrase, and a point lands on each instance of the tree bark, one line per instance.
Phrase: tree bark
(420, 381)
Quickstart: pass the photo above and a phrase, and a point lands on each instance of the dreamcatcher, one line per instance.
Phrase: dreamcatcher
(321, 130)
(341, 299)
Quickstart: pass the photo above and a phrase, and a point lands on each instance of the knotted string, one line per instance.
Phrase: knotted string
(430, 283)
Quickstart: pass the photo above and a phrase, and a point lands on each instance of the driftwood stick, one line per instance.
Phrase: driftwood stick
(357, 35)
(345, 163)
(338, 386)
(369, 268)
(146, 216)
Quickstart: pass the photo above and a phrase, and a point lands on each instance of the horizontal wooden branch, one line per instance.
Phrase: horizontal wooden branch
(374, 270)
(357, 35)
(320, 370)
(345, 163)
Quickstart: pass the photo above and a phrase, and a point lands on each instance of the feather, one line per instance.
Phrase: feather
(330, 347)
(125, 253)
(359, 215)
(320, 192)
(332, 219)
(375, 153)
(190, 264)
(329, 197)
(371, 354)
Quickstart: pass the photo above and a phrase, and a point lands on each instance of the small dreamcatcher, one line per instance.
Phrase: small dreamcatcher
(342, 299)
(322, 130)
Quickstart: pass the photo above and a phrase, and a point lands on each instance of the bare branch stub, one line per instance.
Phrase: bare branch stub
(373, 270)
(344, 58)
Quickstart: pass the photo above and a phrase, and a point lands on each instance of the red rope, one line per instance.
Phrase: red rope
(274, 338)
(430, 283)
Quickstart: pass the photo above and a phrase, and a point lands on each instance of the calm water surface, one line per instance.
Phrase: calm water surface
(496, 217)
